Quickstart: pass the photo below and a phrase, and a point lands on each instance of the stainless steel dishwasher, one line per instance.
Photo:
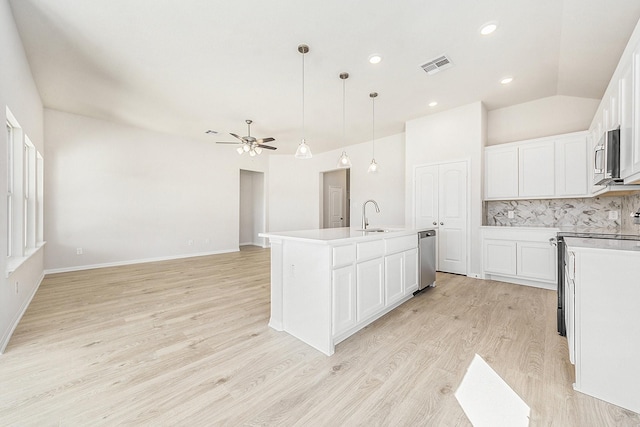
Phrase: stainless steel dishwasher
(427, 254)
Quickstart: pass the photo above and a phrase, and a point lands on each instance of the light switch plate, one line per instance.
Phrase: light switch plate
(511, 214)
(613, 215)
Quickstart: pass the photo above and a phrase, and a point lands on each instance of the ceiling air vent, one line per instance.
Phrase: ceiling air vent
(437, 64)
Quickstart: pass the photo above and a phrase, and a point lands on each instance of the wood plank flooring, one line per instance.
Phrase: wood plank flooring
(186, 343)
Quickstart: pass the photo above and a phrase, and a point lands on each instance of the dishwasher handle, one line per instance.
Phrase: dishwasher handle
(428, 233)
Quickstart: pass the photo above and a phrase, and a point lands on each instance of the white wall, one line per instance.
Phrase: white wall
(294, 185)
(19, 93)
(125, 194)
(553, 115)
(457, 134)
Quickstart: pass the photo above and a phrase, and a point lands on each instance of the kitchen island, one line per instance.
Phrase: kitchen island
(327, 284)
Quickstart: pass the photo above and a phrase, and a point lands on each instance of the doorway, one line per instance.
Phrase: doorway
(335, 199)
(252, 208)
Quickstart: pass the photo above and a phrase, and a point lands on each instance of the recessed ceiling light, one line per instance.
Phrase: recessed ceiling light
(433, 104)
(506, 80)
(488, 28)
(375, 58)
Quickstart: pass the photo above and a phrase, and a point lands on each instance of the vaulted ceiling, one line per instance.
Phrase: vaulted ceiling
(185, 67)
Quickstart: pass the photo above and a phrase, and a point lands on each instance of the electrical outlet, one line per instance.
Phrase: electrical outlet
(79, 251)
(511, 214)
(613, 215)
(190, 242)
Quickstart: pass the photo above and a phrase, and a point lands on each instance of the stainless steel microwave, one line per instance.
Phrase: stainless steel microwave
(607, 159)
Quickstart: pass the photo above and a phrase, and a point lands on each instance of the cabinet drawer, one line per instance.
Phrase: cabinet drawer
(400, 244)
(344, 255)
(373, 249)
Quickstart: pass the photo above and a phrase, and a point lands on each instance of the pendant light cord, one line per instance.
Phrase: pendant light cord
(373, 125)
(344, 103)
(303, 96)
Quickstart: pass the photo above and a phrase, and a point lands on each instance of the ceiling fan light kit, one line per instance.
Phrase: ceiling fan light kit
(373, 167)
(303, 151)
(344, 161)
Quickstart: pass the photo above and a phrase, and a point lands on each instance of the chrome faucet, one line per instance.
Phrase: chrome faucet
(365, 223)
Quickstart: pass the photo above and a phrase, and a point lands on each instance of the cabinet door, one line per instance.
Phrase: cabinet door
(501, 173)
(536, 170)
(411, 271)
(569, 309)
(635, 163)
(499, 257)
(571, 166)
(626, 115)
(370, 288)
(343, 303)
(537, 260)
(394, 277)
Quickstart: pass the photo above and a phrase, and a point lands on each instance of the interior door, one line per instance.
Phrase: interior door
(336, 218)
(452, 214)
(441, 203)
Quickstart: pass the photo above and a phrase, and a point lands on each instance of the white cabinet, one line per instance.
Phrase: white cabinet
(500, 256)
(569, 304)
(625, 85)
(536, 170)
(501, 173)
(370, 288)
(605, 321)
(634, 163)
(550, 167)
(536, 260)
(571, 174)
(343, 299)
(401, 275)
(521, 255)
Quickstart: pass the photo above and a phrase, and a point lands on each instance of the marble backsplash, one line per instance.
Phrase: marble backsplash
(587, 212)
(630, 205)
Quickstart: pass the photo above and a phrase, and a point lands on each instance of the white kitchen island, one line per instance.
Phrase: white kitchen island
(327, 284)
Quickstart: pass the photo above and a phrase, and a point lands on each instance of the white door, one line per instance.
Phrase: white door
(336, 218)
(426, 196)
(441, 204)
(452, 213)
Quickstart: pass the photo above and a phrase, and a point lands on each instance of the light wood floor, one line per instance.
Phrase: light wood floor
(186, 343)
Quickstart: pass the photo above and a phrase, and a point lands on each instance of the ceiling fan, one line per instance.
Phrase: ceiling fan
(248, 144)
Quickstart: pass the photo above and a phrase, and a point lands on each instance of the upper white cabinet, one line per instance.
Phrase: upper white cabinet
(634, 168)
(536, 170)
(550, 167)
(570, 171)
(501, 172)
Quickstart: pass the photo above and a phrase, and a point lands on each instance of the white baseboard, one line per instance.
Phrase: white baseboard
(14, 324)
(136, 261)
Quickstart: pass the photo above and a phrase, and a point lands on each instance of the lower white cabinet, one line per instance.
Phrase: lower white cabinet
(369, 288)
(522, 255)
(602, 320)
(343, 299)
(401, 275)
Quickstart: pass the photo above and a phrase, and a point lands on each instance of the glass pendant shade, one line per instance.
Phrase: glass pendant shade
(240, 150)
(373, 167)
(303, 151)
(258, 150)
(344, 161)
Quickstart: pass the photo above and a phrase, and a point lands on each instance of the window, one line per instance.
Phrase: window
(25, 195)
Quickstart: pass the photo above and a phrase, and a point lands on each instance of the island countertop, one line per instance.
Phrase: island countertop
(339, 235)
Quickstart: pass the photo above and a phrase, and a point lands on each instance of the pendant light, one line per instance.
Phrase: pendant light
(373, 167)
(303, 151)
(344, 161)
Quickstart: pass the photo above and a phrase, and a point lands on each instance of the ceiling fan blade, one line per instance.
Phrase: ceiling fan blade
(233, 134)
(268, 147)
(263, 140)
(228, 142)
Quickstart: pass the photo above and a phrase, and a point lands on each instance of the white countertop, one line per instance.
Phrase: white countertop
(613, 244)
(339, 235)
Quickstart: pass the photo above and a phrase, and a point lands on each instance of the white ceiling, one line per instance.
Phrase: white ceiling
(185, 67)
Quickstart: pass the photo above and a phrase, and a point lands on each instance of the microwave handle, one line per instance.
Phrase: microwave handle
(595, 159)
